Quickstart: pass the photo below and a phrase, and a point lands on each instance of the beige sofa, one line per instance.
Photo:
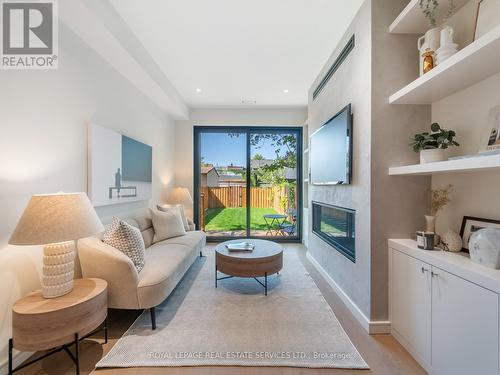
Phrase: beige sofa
(166, 262)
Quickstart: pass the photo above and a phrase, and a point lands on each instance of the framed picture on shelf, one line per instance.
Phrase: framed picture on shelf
(487, 17)
(472, 224)
(491, 141)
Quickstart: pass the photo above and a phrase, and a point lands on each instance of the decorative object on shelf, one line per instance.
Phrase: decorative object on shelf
(487, 17)
(56, 221)
(432, 146)
(471, 224)
(451, 241)
(427, 46)
(429, 10)
(430, 223)
(425, 240)
(439, 199)
(491, 140)
(484, 247)
(447, 47)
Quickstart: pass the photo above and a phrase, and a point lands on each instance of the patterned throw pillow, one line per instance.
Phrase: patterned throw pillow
(127, 239)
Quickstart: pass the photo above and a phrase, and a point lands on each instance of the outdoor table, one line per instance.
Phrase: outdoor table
(272, 219)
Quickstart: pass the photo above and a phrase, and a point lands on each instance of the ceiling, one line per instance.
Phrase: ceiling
(234, 50)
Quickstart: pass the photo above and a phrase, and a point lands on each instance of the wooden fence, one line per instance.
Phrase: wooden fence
(236, 196)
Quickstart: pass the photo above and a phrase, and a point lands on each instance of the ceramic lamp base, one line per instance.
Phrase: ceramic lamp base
(58, 269)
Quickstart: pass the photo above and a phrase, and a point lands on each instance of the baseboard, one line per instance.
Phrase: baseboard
(18, 358)
(373, 327)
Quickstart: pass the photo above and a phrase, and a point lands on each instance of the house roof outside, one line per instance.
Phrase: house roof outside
(207, 169)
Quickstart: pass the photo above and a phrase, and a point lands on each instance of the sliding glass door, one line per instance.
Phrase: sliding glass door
(247, 182)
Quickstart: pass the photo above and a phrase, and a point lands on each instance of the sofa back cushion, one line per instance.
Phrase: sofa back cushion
(182, 213)
(145, 225)
(167, 224)
(128, 239)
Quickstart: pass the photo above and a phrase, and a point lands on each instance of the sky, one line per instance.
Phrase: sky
(221, 150)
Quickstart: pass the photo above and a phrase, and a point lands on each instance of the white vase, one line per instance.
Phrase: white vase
(429, 43)
(447, 47)
(484, 247)
(432, 155)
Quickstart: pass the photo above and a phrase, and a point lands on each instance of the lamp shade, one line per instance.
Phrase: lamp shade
(51, 218)
(179, 195)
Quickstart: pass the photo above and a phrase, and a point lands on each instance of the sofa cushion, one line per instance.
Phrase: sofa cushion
(165, 266)
(126, 238)
(192, 239)
(180, 207)
(167, 224)
(145, 225)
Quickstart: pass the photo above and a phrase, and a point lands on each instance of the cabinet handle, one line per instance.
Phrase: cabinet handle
(424, 270)
(434, 274)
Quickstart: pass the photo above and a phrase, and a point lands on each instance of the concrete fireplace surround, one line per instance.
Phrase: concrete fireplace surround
(365, 79)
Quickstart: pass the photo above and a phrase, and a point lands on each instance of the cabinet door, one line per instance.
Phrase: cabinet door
(464, 326)
(411, 305)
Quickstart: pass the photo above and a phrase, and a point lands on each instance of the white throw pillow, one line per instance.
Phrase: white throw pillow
(180, 207)
(128, 239)
(167, 224)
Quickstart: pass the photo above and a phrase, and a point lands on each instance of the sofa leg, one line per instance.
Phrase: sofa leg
(153, 318)
(201, 254)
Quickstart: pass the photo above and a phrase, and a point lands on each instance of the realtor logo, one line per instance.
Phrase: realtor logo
(29, 35)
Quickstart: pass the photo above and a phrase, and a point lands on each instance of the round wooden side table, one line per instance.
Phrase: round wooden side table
(266, 259)
(57, 323)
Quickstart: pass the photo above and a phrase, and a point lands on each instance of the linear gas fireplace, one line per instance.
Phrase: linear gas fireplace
(335, 225)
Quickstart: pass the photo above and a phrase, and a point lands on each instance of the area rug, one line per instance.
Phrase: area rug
(237, 325)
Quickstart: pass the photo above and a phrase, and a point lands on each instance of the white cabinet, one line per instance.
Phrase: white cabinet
(464, 326)
(449, 324)
(411, 315)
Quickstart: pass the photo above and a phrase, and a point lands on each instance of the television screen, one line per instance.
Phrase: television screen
(330, 150)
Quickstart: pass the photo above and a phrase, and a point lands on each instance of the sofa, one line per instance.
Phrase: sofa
(166, 263)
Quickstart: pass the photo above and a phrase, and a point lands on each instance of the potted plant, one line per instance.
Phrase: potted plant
(432, 146)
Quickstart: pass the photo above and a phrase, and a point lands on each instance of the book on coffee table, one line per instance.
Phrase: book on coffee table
(240, 246)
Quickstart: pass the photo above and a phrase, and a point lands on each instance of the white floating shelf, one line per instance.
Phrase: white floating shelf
(412, 21)
(468, 165)
(478, 61)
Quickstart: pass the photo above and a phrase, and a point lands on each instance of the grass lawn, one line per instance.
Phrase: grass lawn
(234, 218)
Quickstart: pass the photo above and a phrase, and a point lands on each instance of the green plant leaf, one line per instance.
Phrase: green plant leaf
(435, 127)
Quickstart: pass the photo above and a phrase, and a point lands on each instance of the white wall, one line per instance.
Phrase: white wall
(221, 117)
(43, 148)
(474, 194)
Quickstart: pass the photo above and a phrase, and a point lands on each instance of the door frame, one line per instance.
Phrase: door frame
(197, 130)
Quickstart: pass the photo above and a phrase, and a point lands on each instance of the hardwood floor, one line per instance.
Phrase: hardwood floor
(383, 353)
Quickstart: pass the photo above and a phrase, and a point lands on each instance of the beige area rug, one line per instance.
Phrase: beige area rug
(237, 325)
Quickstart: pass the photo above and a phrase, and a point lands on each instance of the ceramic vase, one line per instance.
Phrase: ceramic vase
(430, 223)
(447, 47)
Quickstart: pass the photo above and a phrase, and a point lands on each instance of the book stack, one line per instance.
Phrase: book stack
(240, 246)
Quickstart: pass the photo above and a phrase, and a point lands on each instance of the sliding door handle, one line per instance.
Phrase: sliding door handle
(425, 270)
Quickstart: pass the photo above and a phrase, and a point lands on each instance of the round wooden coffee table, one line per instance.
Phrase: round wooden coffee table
(266, 259)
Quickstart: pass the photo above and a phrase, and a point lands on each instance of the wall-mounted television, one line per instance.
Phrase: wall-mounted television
(330, 150)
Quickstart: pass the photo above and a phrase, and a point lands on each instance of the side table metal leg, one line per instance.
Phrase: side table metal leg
(265, 283)
(77, 354)
(10, 356)
(106, 330)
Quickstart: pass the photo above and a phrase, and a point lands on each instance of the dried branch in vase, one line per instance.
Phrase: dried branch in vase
(440, 198)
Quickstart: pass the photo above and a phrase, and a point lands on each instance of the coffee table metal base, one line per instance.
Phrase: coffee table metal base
(264, 284)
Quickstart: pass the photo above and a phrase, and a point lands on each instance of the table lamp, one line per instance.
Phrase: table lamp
(179, 195)
(56, 221)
